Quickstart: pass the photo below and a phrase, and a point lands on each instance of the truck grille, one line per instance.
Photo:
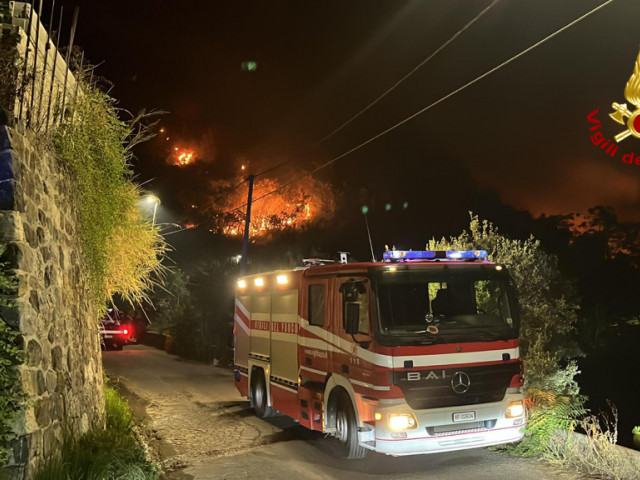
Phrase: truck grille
(432, 388)
(443, 430)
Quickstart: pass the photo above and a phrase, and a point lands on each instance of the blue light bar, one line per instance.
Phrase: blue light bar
(405, 255)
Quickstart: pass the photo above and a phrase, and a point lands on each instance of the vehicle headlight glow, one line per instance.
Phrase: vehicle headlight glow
(258, 282)
(402, 421)
(282, 279)
(515, 409)
(242, 284)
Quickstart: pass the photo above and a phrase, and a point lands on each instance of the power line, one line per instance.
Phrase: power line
(264, 172)
(411, 72)
(430, 106)
(395, 85)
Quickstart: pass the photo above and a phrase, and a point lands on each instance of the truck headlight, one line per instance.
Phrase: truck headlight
(515, 409)
(402, 421)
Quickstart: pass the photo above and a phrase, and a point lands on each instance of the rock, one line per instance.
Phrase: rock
(57, 358)
(42, 384)
(34, 353)
(42, 411)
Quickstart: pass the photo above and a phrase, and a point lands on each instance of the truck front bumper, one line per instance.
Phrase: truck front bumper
(436, 431)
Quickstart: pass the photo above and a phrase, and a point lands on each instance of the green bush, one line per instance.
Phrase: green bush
(111, 454)
(548, 315)
(548, 415)
(548, 320)
(11, 354)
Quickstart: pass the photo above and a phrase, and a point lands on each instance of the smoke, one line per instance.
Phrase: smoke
(573, 187)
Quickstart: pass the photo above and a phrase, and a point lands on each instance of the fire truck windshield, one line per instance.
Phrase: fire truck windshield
(445, 305)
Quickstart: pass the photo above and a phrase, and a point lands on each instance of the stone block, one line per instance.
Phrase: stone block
(35, 443)
(46, 354)
(45, 253)
(11, 227)
(30, 236)
(51, 380)
(34, 300)
(34, 353)
(52, 440)
(57, 358)
(42, 411)
(41, 382)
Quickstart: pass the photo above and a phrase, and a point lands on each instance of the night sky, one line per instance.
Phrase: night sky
(520, 136)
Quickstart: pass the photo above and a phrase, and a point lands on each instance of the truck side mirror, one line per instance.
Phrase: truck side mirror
(351, 318)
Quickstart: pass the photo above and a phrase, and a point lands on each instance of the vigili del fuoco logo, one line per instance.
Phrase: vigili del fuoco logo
(623, 115)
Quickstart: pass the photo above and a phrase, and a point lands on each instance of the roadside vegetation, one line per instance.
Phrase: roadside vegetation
(196, 310)
(555, 407)
(123, 251)
(113, 453)
(11, 354)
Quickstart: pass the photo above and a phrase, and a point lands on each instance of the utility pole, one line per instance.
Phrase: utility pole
(247, 224)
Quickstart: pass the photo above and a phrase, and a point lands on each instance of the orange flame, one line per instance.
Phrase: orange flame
(287, 209)
(183, 157)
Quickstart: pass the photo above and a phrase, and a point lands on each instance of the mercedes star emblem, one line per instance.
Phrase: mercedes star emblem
(460, 382)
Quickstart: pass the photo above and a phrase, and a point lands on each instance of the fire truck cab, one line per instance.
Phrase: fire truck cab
(415, 354)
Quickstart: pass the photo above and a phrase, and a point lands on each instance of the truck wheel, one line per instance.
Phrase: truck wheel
(259, 395)
(347, 430)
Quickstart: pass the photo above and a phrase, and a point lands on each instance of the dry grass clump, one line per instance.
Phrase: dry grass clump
(596, 454)
(135, 250)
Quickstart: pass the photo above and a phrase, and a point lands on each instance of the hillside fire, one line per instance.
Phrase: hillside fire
(291, 208)
(182, 158)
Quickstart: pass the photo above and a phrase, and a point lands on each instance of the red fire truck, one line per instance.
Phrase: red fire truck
(415, 354)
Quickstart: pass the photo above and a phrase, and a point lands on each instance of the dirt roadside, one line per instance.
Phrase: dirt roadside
(159, 449)
(187, 411)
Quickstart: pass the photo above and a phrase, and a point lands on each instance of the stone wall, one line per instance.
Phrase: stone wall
(62, 373)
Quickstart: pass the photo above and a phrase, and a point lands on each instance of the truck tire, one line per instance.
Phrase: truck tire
(259, 395)
(347, 430)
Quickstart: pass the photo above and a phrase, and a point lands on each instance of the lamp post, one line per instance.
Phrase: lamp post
(151, 198)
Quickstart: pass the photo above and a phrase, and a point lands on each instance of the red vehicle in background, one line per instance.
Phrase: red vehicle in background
(115, 331)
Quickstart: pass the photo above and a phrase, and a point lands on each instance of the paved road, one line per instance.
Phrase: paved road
(205, 430)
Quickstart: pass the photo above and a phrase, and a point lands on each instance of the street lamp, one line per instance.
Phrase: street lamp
(151, 198)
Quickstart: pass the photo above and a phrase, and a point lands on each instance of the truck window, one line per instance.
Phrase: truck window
(363, 301)
(316, 305)
(358, 295)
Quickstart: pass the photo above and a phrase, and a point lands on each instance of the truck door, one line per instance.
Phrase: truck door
(315, 322)
(354, 361)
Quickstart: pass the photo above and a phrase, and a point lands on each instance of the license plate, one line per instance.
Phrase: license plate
(464, 416)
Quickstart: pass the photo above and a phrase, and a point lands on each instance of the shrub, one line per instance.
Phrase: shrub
(595, 454)
(172, 303)
(121, 249)
(112, 453)
(548, 316)
(547, 415)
